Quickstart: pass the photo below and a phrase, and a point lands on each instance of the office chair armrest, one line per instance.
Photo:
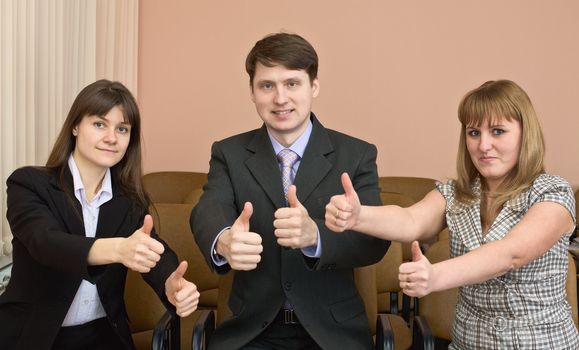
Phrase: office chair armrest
(422, 337)
(384, 333)
(167, 333)
(406, 300)
(203, 329)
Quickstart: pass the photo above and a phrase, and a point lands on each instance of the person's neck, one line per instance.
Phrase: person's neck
(92, 178)
(491, 187)
(285, 140)
(289, 138)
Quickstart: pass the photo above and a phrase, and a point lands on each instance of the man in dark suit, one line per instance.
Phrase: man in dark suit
(293, 286)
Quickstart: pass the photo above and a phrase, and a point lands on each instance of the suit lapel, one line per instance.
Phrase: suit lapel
(264, 167)
(68, 206)
(112, 215)
(314, 165)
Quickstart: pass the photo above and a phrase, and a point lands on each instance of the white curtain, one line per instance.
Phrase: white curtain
(50, 50)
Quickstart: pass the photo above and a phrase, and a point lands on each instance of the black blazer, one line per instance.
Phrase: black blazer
(321, 291)
(50, 252)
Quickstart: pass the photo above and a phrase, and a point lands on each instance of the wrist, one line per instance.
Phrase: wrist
(116, 249)
(216, 253)
(168, 287)
(104, 251)
(434, 278)
(314, 232)
(218, 248)
(358, 221)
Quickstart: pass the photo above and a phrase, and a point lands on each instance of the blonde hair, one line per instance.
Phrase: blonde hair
(489, 103)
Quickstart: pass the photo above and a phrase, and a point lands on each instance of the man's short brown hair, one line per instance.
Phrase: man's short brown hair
(289, 50)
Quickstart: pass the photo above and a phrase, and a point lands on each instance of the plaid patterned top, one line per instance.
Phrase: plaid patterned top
(524, 308)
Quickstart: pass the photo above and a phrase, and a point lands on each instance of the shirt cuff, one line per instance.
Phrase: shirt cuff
(218, 260)
(314, 251)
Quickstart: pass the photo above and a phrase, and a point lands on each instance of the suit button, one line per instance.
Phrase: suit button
(288, 286)
(114, 324)
(264, 324)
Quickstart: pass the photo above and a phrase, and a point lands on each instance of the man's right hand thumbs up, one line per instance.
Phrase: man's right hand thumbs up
(242, 222)
(240, 247)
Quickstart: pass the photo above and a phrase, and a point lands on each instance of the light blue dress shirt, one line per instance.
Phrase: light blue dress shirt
(299, 147)
(87, 305)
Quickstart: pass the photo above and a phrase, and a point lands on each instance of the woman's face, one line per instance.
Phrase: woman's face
(494, 149)
(101, 141)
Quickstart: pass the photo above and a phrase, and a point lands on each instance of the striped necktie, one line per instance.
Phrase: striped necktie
(287, 159)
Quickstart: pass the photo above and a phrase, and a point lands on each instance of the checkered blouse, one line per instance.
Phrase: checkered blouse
(525, 308)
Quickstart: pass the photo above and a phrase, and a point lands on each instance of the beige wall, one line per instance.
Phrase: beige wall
(391, 72)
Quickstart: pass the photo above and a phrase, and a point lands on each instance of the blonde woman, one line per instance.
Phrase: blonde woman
(509, 226)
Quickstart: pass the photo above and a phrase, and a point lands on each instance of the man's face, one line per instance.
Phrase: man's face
(283, 99)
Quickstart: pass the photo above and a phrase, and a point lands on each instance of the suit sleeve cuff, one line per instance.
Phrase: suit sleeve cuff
(314, 251)
(217, 259)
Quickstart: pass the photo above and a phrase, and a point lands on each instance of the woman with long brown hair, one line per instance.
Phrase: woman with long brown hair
(78, 223)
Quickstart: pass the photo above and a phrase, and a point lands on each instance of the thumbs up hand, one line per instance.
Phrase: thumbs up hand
(180, 292)
(416, 277)
(293, 226)
(239, 246)
(343, 211)
(140, 252)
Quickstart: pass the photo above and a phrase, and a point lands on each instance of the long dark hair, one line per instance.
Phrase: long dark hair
(98, 99)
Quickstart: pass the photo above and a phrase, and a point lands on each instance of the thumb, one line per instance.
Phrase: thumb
(416, 252)
(245, 215)
(349, 190)
(292, 197)
(147, 224)
(181, 269)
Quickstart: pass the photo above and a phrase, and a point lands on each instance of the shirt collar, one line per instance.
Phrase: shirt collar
(104, 194)
(517, 204)
(299, 145)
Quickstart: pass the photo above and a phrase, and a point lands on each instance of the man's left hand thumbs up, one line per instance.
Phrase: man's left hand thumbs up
(292, 197)
(293, 226)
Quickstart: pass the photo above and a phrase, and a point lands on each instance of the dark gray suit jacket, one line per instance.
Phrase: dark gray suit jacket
(50, 259)
(321, 291)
